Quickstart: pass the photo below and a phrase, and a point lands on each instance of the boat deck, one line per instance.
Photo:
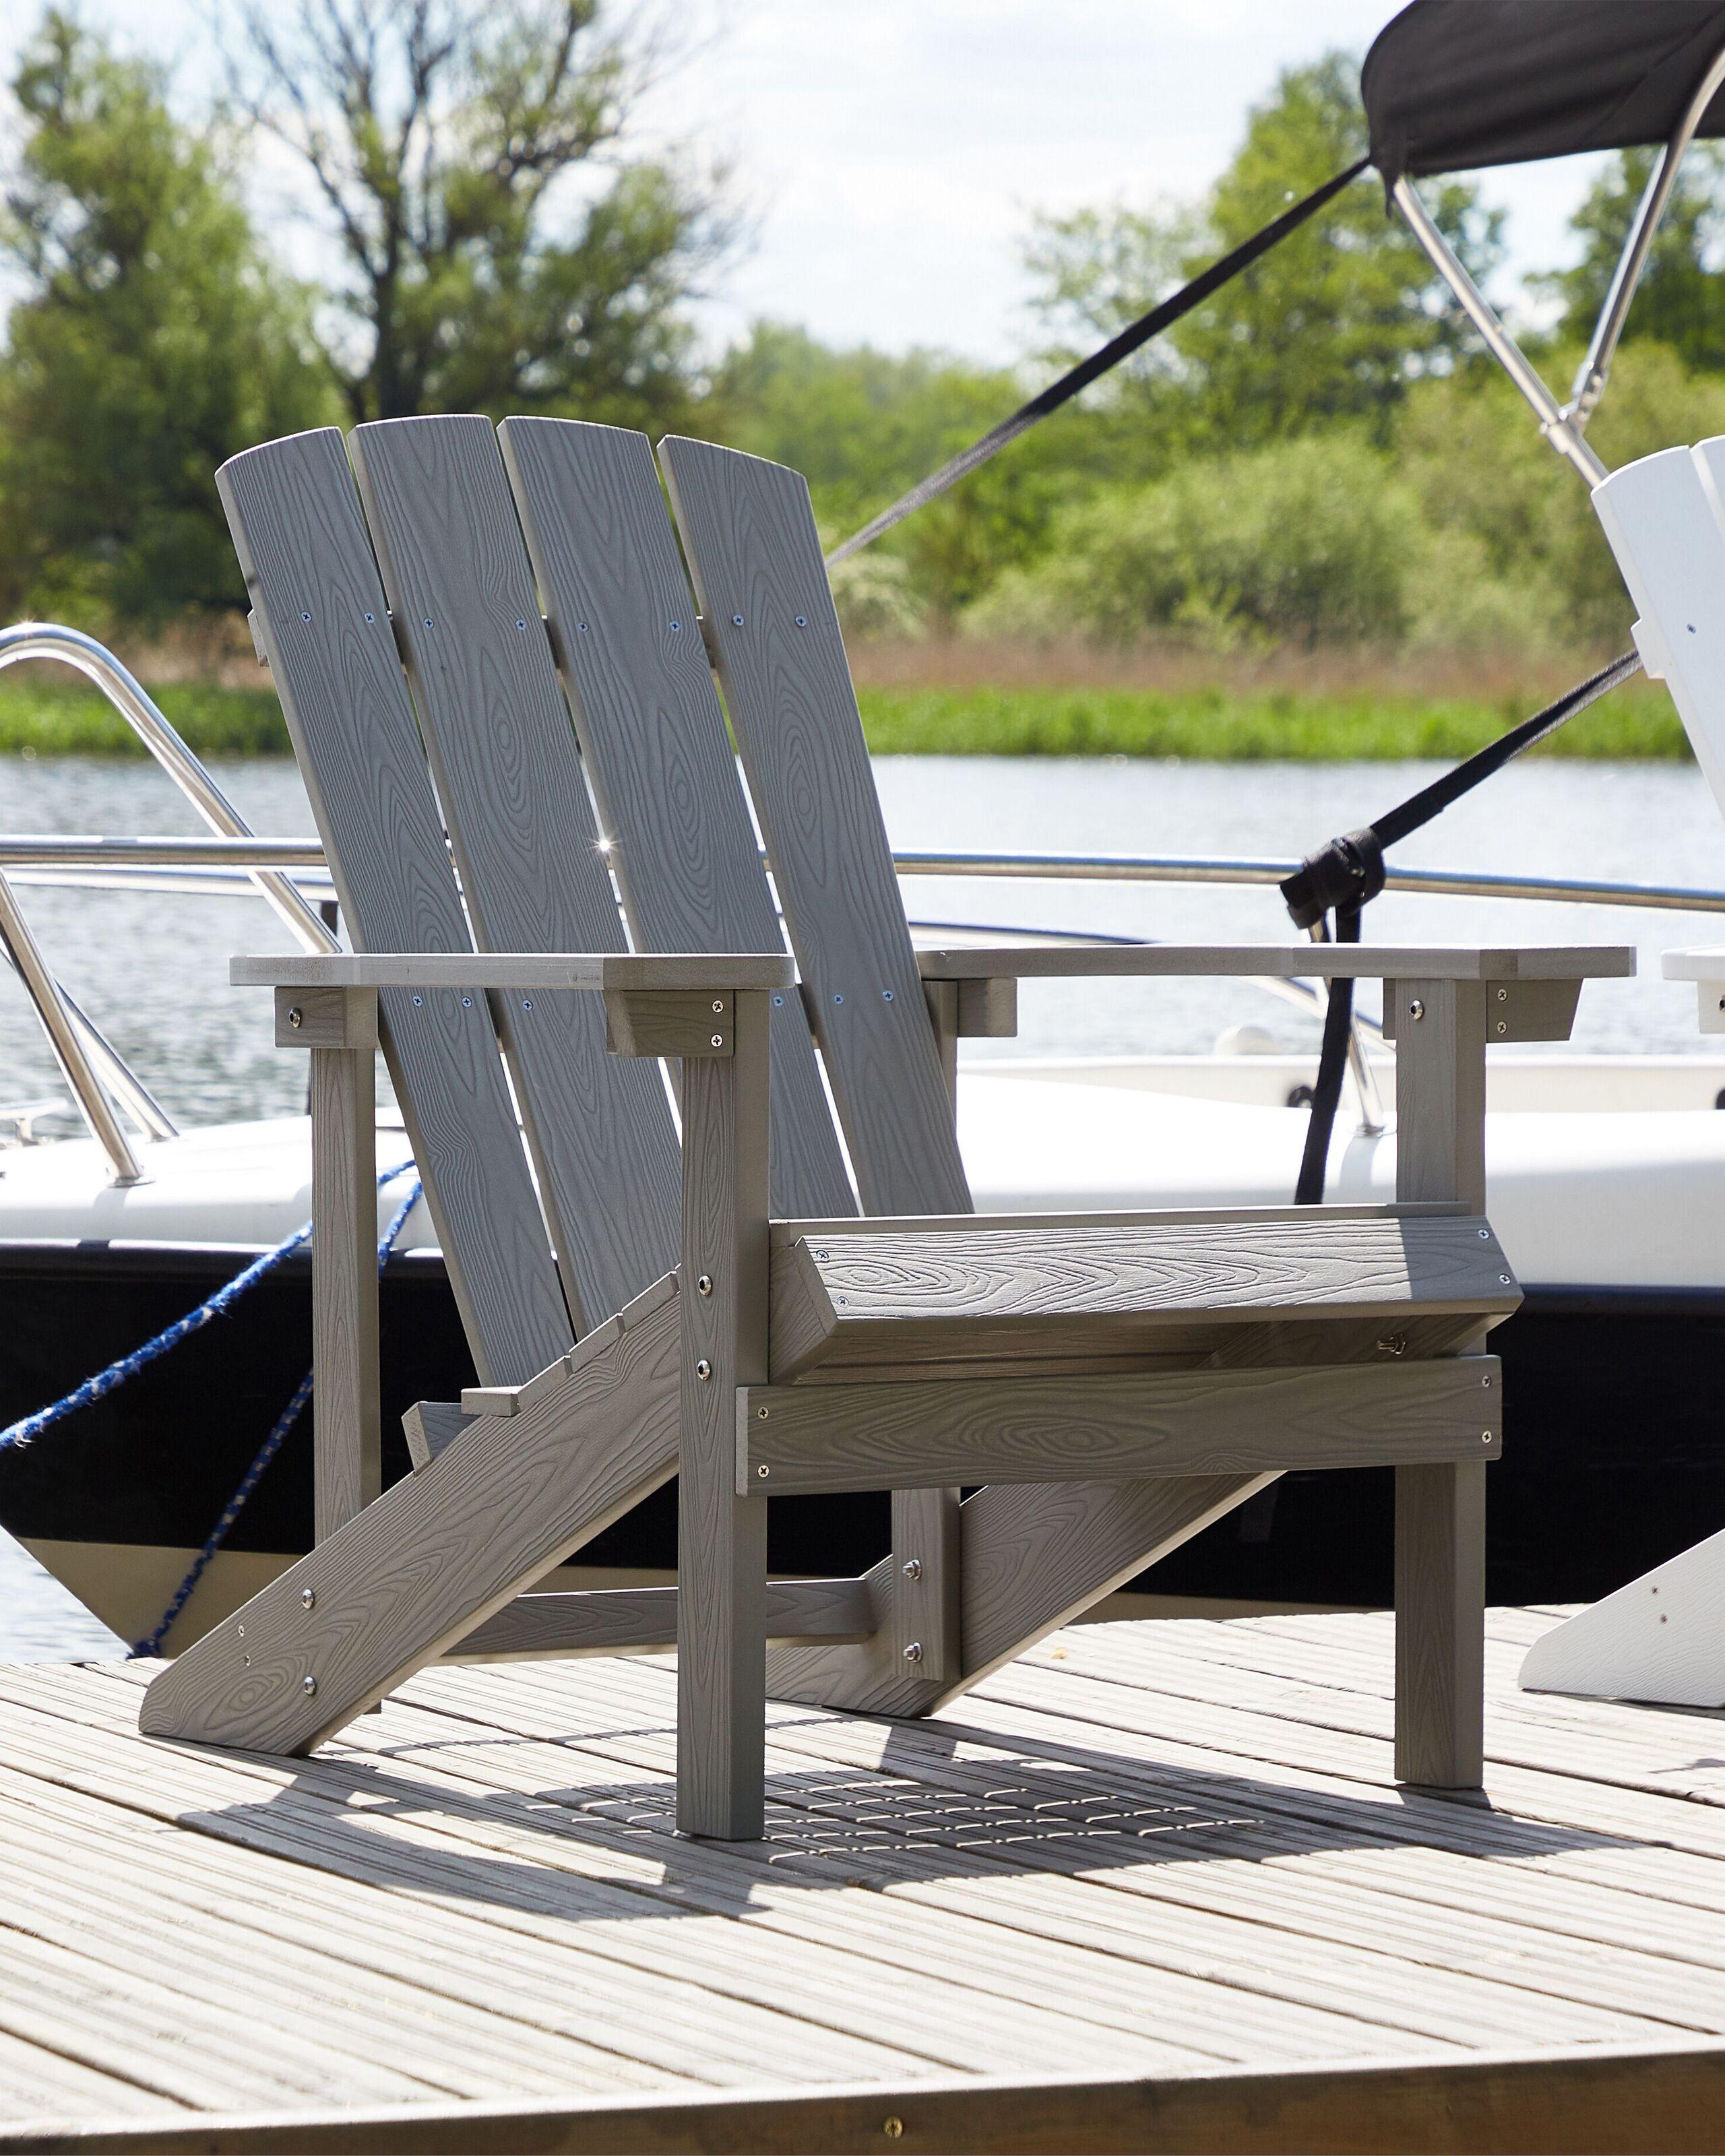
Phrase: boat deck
(1151, 1887)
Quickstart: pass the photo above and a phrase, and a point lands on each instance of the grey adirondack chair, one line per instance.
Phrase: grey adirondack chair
(1113, 1383)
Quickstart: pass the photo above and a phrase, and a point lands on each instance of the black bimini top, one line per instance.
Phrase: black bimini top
(1450, 85)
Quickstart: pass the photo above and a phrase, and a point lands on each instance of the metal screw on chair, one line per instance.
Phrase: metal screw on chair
(762, 1412)
(704, 1286)
(308, 1595)
(763, 1471)
(913, 1568)
(296, 1018)
(1486, 1381)
(310, 1686)
(703, 1369)
(718, 1041)
(1416, 1009)
(1485, 1437)
(913, 1653)
(718, 1007)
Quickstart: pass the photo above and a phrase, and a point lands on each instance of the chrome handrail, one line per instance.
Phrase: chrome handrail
(119, 855)
(1199, 867)
(96, 1073)
(249, 853)
(91, 1095)
(70, 647)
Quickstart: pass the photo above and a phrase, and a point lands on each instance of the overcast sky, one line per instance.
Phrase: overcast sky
(892, 151)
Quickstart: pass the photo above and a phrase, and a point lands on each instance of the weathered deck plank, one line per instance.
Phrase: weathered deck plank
(1165, 1864)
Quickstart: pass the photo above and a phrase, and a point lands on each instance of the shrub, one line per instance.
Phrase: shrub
(1306, 542)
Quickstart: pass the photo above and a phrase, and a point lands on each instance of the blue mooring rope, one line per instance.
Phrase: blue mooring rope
(31, 1427)
(151, 1644)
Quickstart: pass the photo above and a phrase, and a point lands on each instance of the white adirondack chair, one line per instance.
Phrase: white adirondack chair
(1662, 1637)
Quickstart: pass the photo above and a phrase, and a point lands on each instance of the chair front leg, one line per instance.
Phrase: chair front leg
(1439, 1029)
(721, 1535)
(339, 1028)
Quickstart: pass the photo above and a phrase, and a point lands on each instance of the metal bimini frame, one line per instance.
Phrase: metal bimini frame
(1565, 426)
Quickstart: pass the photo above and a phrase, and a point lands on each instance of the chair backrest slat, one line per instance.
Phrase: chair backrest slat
(503, 756)
(295, 518)
(748, 530)
(655, 743)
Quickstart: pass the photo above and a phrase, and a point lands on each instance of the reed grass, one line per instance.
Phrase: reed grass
(964, 700)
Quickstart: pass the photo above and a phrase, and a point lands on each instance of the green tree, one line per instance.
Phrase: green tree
(1680, 299)
(151, 340)
(500, 251)
(864, 425)
(1334, 323)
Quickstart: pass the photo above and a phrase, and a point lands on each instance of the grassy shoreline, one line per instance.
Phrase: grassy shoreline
(1203, 723)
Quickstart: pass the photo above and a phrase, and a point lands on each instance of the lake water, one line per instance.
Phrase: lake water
(152, 971)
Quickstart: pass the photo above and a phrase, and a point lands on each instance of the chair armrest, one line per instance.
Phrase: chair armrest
(1706, 964)
(1292, 960)
(672, 973)
(1706, 967)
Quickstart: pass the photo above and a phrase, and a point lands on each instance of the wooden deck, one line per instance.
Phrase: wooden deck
(1150, 1888)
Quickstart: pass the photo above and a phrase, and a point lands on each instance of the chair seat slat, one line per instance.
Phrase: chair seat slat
(1060, 1290)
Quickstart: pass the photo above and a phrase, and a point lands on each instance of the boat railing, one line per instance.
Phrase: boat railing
(292, 876)
(102, 1083)
(227, 867)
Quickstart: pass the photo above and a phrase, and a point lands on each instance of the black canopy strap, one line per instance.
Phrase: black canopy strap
(1348, 873)
(1087, 371)
(1332, 1056)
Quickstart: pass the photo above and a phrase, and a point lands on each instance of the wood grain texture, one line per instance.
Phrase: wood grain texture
(987, 1010)
(653, 740)
(749, 534)
(1441, 1510)
(1516, 1010)
(1368, 961)
(346, 1430)
(1059, 1290)
(926, 1556)
(439, 1552)
(1440, 1628)
(670, 974)
(644, 1619)
(503, 756)
(326, 1017)
(325, 624)
(428, 1425)
(654, 1024)
(1034, 1556)
(813, 1438)
(786, 1232)
(721, 1532)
